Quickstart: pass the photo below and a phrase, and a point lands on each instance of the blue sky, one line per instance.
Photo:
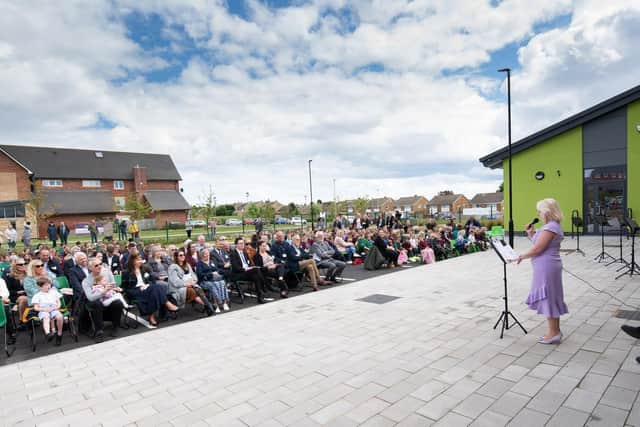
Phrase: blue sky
(398, 97)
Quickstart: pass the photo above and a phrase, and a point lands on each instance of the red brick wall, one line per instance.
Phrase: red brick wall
(23, 185)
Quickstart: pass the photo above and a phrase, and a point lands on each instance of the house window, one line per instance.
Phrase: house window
(91, 183)
(119, 201)
(118, 185)
(52, 183)
(445, 208)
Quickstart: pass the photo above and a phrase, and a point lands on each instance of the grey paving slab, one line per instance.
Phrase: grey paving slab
(428, 357)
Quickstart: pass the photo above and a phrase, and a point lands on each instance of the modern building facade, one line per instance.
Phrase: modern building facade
(589, 162)
(76, 186)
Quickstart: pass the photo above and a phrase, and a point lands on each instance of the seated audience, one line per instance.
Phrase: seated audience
(242, 270)
(323, 256)
(212, 281)
(183, 284)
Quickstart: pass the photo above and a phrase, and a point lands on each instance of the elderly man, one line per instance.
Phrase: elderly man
(96, 300)
(279, 248)
(323, 256)
(78, 273)
(220, 256)
(200, 244)
(51, 265)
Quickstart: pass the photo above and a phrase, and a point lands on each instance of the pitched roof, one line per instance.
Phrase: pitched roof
(410, 200)
(77, 202)
(47, 162)
(166, 200)
(482, 198)
(375, 203)
(494, 160)
(440, 200)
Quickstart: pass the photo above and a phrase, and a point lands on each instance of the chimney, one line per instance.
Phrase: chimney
(140, 179)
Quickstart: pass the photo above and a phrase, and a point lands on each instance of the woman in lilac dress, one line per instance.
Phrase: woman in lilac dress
(546, 295)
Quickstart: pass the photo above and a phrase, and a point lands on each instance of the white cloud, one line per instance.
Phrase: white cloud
(251, 121)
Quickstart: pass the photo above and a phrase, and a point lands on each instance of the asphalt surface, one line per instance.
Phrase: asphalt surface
(23, 350)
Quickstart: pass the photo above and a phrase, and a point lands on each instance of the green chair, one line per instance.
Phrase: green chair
(3, 325)
(497, 231)
(62, 282)
(118, 279)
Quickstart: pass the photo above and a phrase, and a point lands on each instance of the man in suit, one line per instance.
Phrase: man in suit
(50, 264)
(323, 256)
(220, 256)
(52, 233)
(69, 263)
(78, 273)
(241, 270)
(63, 233)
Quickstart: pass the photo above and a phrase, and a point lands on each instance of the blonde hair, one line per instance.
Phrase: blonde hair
(549, 209)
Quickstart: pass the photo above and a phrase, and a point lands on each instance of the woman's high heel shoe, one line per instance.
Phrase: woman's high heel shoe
(553, 340)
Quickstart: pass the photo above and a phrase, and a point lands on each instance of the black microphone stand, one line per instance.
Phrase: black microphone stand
(504, 316)
(619, 260)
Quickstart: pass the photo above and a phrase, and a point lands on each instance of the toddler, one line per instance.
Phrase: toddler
(47, 303)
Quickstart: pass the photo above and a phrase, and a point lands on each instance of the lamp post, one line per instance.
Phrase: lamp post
(311, 197)
(246, 206)
(508, 71)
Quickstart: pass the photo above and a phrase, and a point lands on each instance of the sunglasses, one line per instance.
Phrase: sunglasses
(179, 255)
(20, 264)
(38, 265)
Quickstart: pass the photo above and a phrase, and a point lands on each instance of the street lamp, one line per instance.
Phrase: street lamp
(246, 206)
(508, 71)
(311, 197)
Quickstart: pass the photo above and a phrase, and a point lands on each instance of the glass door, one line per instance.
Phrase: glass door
(605, 198)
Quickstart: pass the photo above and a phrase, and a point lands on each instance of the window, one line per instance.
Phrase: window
(52, 183)
(91, 183)
(119, 201)
(118, 185)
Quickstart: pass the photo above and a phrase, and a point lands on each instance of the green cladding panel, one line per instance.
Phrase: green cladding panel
(560, 159)
(633, 157)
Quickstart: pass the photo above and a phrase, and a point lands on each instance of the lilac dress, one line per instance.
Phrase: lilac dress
(546, 295)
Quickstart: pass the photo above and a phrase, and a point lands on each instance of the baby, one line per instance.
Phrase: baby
(47, 303)
(110, 295)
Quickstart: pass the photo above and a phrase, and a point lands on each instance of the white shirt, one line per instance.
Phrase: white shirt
(46, 299)
(245, 264)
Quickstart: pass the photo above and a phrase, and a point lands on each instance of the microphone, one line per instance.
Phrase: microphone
(535, 221)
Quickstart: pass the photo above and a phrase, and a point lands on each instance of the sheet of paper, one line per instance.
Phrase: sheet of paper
(505, 250)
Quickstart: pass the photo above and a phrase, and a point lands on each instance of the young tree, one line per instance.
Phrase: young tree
(254, 211)
(137, 207)
(208, 207)
(360, 204)
(292, 210)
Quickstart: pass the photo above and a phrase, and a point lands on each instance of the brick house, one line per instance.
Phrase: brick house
(494, 201)
(380, 206)
(412, 205)
(448, 203)
(76, 186)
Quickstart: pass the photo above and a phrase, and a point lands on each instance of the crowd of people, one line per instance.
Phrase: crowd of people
(108, 278)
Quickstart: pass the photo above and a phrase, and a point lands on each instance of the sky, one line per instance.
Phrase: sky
(386, 97)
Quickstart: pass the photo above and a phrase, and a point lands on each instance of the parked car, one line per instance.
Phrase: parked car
(282, 220)
(197, 222)
(296, 220)
(233, 221)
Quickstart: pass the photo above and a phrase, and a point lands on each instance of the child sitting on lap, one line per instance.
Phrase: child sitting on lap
(102, 282)
(47, 303)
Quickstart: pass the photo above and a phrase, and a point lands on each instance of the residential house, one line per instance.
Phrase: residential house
(493, 201)
(380, 206)
(448, 204)
(42, 184)
(412, 206)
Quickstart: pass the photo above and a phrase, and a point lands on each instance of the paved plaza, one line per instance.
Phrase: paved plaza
(428, 357)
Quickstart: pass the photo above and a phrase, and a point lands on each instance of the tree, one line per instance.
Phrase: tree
(501, 187)
(207, 208)
(225, 210)
(292, 210)
(137, 207)
(360, 204)
(253, 210)
(267, 212)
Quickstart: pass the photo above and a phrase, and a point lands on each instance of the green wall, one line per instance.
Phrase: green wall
(633, 157)
(562, 153)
